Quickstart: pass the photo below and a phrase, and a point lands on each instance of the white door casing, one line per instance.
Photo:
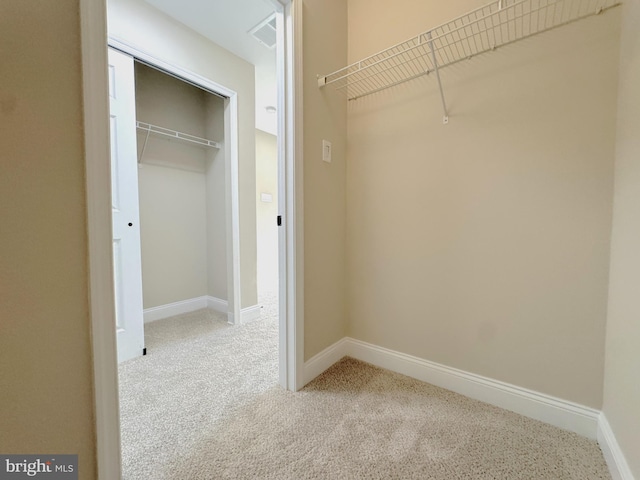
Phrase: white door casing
(127, 261)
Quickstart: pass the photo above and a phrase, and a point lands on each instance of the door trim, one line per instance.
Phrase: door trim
(101, 292)
(97, 170)
(290, 192)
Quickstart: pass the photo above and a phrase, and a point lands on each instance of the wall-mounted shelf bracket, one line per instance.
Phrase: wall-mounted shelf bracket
(445, 118)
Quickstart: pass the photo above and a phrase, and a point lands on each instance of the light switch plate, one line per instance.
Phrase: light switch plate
(326, 151)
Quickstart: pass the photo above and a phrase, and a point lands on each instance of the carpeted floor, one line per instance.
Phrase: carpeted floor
(204, 404)
(198, 369)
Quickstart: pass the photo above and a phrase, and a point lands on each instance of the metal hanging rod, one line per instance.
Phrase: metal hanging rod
(496, 24)
(185, 137)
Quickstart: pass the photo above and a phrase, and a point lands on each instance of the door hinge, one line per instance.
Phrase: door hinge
(279, 220)
(144, 351)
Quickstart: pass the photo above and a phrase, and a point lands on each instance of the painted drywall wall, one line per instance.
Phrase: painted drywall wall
(324, 50)
(484, 244)
(216, 201)
(621, 385)
(46, 381)
(267, 211)
(172, 190)
(173, 234)
(149, 30)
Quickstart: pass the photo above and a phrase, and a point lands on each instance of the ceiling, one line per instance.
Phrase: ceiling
(227, 23)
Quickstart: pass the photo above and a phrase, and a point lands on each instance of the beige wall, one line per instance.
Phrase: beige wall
(267, 212)
(173, 234)
(622, 366)
(152, 31)
(217, 230)
(484, 244)
(324, 50)
(46, 399)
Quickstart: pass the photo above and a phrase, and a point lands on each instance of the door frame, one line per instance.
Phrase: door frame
(98, 204)
(231, 161)
(290, 192)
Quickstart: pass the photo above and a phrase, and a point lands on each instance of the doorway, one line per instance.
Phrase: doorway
(96, 128)
(190, 237)
(184, 206)
(267, 199)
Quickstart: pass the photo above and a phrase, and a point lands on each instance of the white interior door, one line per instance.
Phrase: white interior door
(127, 262)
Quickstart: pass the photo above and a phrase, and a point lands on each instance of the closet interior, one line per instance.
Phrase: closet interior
(181, 177)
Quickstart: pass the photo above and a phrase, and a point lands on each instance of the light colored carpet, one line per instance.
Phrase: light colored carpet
(198, 369)
(231, 421)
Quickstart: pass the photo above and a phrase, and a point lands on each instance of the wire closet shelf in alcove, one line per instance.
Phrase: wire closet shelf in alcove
(494, 25)
(172, 134)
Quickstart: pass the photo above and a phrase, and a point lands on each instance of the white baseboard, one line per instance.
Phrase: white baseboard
(323, 360)
(247, 314)
(555, 411)
(617, 463)
(250, 314)
(217, 304)
(176, 308)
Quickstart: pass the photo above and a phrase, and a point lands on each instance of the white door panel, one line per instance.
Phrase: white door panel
(127, 263)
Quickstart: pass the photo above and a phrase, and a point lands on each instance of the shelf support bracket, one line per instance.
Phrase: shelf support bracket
(445, 119)
(144, 146)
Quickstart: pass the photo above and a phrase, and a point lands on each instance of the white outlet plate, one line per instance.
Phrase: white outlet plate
(326, 151)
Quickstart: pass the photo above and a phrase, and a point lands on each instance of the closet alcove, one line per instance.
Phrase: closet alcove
(181, 180)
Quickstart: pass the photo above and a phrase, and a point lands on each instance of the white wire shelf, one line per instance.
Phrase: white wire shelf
(494, 25)
(184, 137)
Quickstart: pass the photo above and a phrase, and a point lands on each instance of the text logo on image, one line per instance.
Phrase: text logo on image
(49, 467)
